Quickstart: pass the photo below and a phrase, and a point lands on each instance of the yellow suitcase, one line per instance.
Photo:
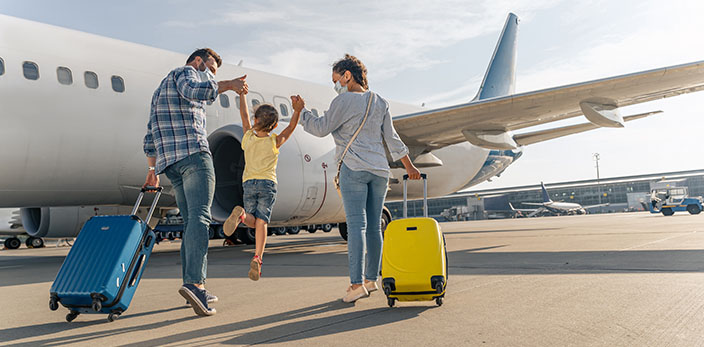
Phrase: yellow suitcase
(414, 259)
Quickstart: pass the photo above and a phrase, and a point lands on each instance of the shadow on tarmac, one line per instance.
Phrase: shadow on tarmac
(293, 331)
(298, 260)
(7, 335)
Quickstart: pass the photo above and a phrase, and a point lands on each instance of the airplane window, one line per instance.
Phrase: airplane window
(315, 112)
(284, 110)
(91, 79)
(255, 102)
(2, 67)
(118, 84)
(224, 101)
(237, 101)
(30, 70)
(63, 74)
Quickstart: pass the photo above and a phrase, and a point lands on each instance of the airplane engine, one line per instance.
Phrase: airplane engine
(59, 222)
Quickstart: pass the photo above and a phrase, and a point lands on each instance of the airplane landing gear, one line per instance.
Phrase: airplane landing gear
(34, 242)
(13, 243)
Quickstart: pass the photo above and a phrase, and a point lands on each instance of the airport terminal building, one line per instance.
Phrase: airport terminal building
(622, 193)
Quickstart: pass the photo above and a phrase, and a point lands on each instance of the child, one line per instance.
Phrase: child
(261, 153)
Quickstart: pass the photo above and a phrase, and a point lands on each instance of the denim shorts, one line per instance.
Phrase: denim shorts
(259, 197)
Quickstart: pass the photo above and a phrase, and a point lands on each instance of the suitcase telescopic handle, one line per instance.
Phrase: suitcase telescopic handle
(425, 195)
(141, 196)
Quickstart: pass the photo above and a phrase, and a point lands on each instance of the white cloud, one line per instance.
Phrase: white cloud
(389, 36)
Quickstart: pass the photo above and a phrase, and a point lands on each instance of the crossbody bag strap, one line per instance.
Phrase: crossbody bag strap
(364, 120)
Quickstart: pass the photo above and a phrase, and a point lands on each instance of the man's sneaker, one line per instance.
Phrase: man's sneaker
(197, 298)
(211, 298)
(371, 286)
(255, 268)
(355, 294)
(233, 221)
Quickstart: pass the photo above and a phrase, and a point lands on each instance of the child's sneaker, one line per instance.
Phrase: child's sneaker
(233, 221)
(355, 294)
(255, 268)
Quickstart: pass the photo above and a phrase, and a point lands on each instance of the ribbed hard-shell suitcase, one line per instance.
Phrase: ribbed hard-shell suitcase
(101, 272)
(414, 258)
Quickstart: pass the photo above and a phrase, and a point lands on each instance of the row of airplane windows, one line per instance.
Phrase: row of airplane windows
(64, 75)
(283, 108)
(30, 70)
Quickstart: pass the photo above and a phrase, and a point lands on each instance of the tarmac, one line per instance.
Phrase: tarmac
(630, 279)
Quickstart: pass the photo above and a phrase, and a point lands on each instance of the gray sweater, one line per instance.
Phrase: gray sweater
(342, 120)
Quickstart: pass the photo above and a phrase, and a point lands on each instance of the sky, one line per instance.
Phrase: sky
(436, 53)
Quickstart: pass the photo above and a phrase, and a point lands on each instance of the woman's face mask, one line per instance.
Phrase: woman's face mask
(339, 88)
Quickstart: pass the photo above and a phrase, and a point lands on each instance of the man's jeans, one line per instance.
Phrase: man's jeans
(193, 179)
(363, 195)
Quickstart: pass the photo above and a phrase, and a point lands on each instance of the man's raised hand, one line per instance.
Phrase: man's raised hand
(239, 85)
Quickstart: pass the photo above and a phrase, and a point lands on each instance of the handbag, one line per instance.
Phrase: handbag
(339, 163)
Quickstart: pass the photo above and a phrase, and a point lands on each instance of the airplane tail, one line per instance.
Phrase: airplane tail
(500, 77)
(546, 197)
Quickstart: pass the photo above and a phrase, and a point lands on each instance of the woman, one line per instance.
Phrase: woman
(364, 174)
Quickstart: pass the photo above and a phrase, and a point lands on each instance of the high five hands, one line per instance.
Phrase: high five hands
(298, 103)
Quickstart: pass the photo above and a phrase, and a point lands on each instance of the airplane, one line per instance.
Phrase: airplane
(558, 207)
(76, 105)
(11, 225)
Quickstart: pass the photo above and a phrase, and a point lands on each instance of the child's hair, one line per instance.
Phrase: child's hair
(267, 117)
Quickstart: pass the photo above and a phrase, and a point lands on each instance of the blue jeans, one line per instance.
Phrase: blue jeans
(259, 196)
(193, 179)
(363, 195)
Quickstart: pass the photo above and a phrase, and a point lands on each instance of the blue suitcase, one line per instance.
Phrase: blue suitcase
(101, 272)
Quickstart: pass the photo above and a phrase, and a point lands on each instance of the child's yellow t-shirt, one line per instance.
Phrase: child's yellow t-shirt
(260, 157)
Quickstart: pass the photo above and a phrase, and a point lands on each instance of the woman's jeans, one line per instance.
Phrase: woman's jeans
(193, 179)
(363, 195)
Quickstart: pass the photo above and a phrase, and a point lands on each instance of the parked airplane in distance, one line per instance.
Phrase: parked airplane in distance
(75, 109)
(556, 207)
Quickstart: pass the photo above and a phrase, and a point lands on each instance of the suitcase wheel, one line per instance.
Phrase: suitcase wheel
(71, 316)
(97, 305)
(53, 304)
(113, 316)
(391, 301)
(439, 301)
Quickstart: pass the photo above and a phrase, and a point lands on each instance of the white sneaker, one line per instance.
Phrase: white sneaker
(355, 294)
(371, 286)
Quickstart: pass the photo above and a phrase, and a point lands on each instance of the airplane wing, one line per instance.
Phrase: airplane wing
(594, 206)
(533, 203)
(549, 134)
(537, 211)
(490, 122)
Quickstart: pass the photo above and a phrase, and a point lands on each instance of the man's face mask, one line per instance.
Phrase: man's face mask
(205, 73)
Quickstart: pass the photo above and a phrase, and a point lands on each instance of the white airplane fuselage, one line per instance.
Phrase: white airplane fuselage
(70, 145)
(564, 207)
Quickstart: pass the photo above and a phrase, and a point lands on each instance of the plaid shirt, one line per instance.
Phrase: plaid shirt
(176, 127)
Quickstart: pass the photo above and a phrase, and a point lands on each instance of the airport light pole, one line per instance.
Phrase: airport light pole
(598, 186)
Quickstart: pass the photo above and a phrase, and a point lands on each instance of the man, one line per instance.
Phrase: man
(176, 144)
